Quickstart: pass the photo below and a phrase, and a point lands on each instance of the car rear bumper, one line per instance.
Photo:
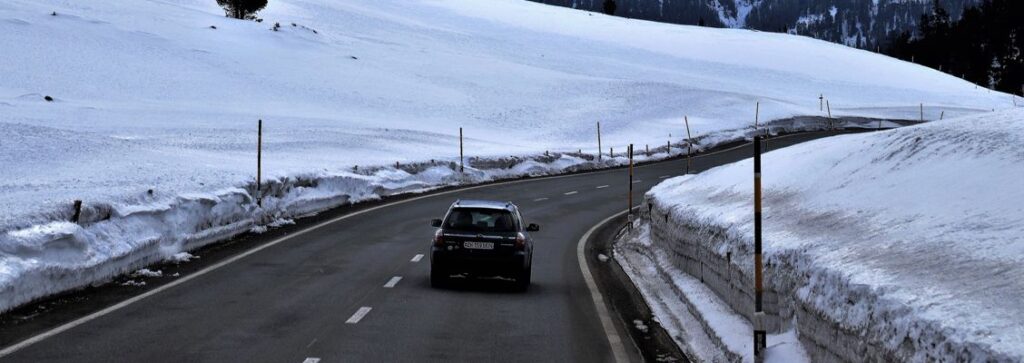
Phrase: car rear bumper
(455, 262)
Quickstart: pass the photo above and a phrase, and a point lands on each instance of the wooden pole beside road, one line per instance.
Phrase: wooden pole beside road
(757, 113)
(829, 107)
(259, 162)
(599, 149)
(78, 212)
(630, 186)
(462, 159)
(689, 143)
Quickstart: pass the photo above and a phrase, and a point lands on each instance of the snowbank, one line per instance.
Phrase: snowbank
(155, 104)
(902, 245)
(698, 320)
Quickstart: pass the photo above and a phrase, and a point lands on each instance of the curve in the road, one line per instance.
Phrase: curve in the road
(324, 294)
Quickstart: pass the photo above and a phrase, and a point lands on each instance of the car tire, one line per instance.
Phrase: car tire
(523, 279)
(438, 277)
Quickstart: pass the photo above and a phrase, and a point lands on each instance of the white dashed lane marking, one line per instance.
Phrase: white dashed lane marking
(572, 192)
(540, 199)
(664, 177)
(637, 181)
(311, 360)
(359, 315)
(416, 258)
(394, 281)
(601, 186)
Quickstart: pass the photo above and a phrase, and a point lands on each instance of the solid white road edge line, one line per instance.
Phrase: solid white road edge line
(618, 349)
(359, 315)
(416, 258)
(85, 319)
(394, 281)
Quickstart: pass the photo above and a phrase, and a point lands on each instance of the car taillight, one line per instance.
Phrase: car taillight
(520, 241)
(438, 238)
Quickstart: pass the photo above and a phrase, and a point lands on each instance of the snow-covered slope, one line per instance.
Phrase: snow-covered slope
(911, 240)
(156, 102)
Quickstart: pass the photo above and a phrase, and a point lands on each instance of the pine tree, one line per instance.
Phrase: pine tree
(609, 7)
(242, 9)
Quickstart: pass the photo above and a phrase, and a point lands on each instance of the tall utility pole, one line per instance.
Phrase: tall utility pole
(259, 162)
(599, 149)
(760, 336)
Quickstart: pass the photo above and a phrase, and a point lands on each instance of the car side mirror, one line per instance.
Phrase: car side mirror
(435, 223)
(532, 228)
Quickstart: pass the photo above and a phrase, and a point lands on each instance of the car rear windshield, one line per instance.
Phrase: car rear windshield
(481, 220)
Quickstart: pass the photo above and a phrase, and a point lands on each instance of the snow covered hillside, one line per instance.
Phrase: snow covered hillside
(155, 106)
(908, 242)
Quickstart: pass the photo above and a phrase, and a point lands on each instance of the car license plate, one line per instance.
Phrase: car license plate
(478, 245)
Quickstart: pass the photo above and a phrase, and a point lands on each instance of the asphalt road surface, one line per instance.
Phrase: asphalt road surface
(357, 288)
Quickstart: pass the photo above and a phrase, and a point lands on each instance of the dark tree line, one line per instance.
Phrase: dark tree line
(984, 46)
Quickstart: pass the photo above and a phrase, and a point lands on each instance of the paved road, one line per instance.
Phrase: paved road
(292, 300)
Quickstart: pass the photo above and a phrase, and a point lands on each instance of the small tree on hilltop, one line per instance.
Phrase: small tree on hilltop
(242, 9)
(609, 7)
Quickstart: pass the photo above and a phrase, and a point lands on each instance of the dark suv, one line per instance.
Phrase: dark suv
(482, 238)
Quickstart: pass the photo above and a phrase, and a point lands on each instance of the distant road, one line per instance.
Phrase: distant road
(357, 289)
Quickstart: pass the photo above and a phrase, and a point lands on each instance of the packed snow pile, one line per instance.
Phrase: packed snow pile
(146, 110)
(703, 325)
(890, 246)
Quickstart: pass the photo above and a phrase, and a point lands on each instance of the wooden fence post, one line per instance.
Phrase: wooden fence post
(78, 211)
(630, 186)
(600, 150)
(757, 113)
(829, 107)
(462, 159)
(689, 143)
(259, 163)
